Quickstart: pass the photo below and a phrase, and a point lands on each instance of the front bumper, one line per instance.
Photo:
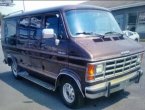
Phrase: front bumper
(105, 88)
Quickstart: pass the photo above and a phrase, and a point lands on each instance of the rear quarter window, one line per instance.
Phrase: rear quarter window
(10, 31)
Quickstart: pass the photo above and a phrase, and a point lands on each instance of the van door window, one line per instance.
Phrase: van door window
(51, 22)
(54, 22)
(23, 29)
(36, 27)
(35, 31)
(10, 32)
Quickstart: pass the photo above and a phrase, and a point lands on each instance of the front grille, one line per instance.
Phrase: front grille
(120, 66)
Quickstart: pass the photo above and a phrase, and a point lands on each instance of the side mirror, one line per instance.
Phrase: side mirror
(48, 33)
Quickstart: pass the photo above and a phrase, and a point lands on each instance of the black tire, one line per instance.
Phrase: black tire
(136, 40)
(15, 69)
(78, 100)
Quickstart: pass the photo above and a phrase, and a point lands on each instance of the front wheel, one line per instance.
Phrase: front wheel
(71, 94)
(137, 40)
(15, 69)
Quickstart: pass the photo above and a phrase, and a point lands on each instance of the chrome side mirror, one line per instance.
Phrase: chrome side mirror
(48, 33)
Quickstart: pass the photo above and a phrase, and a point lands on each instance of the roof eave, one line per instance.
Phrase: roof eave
(127, 6)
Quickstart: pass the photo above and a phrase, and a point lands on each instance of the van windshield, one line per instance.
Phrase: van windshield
(91, 22)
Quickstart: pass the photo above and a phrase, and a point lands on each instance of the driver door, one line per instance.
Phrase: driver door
(56, 55)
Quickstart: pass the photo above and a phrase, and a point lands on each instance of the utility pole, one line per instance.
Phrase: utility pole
(23, 5)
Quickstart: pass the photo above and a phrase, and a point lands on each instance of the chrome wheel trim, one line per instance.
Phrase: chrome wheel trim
(68, 93)
(14, 69)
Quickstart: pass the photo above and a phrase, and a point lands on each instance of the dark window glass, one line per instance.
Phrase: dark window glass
(36, 21)
(24, 28)
(55, 22)
(52, 22)
(10, 31)
(36, 27)
(10, 28)
(132, 18)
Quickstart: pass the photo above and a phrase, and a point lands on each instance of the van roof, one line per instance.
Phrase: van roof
(54, 9)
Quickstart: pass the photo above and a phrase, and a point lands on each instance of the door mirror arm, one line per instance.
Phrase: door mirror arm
(57, 41)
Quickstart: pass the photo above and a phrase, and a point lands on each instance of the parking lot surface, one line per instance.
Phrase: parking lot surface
(23, 95)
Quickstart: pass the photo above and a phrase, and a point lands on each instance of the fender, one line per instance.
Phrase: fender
(71, 74)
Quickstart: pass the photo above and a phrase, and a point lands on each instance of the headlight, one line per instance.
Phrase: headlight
(99, 68)
(93, 70)
(140, 58)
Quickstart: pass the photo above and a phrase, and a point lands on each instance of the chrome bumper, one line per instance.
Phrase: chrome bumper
(105, 88)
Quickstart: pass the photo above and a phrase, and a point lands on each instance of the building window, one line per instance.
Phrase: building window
(141, 23)
(141, 18)
(132, 21)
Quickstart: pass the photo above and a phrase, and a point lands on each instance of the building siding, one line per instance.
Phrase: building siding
(125, 12)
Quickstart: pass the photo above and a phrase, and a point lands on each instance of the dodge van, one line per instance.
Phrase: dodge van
(77, 50)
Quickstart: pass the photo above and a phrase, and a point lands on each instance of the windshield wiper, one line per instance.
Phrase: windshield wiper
(85, 33)
(91, 33)
(113, 32)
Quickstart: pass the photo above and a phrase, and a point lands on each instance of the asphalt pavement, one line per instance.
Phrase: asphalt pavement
(24, 95)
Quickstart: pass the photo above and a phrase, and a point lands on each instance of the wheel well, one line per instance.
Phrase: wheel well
(67, 77)
(9, 61)
(62, 78)
(136, 39)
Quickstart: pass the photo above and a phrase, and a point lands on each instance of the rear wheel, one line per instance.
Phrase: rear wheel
(71, 94)
(15, 69)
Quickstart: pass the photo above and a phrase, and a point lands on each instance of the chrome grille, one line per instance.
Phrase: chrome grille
(121, 65)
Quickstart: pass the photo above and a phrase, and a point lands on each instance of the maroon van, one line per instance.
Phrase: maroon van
(78, 50)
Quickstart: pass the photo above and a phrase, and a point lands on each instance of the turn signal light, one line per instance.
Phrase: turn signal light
(90, 72)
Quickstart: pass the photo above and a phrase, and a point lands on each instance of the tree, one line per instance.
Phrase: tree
(0, 18)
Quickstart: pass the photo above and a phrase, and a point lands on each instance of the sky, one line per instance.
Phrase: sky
(33, 5)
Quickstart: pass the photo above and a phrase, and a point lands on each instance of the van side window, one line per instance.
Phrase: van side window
(10, 31)
(23, 28)
(51, 22)
(55, 22)
(36, 27)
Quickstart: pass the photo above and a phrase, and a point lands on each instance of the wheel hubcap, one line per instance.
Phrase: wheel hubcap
(68, 93)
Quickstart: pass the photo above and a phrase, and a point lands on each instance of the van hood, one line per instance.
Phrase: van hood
(108, 49)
